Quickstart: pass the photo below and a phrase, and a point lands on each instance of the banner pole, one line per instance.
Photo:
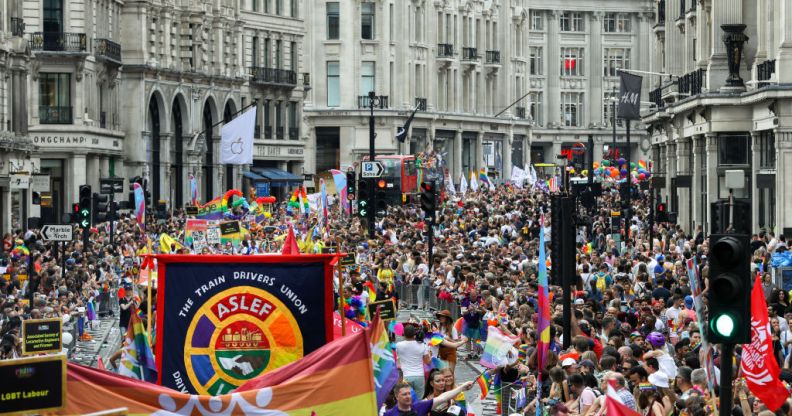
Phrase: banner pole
(148, 290)
(340, 287)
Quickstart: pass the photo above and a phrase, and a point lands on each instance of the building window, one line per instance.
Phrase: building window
(536, 60)
(333, 17)
(55, 98)
(732, 149)
(571, 62)
(537, 19)
(767, 150)
(267, 52)
(571, 22)
(615, 59)
(267, 120)
(278, 7)
(572, 109)
(367, 21)
(278, 53)
(607, 109)
(293, 8)
(53, 16)
(367, 77)
(255, 53)
(254, 5)
(535, 107)
(333, 84)
(267, 6)
(293, 57)
(616, 23)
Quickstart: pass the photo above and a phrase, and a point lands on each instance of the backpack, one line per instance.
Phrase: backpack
(602, 284)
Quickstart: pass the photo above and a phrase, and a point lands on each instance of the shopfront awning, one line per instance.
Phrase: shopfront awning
(278, 177)
(253, 176)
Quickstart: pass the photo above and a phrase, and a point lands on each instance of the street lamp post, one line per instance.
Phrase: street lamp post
(373, 102)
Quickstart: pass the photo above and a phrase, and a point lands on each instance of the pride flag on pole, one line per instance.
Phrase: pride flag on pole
(339, 178)
(140, 205)
(383, 361)
(496, 350)
(137, 360)
(193, 190)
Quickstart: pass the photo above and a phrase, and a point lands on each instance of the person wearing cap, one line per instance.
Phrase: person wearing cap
(447, 350)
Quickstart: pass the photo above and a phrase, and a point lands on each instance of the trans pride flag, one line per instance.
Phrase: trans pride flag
(140, 205)
(339, 178)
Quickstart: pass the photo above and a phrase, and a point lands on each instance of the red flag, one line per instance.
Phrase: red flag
(290, 244)
(614, 404)
(758, 365)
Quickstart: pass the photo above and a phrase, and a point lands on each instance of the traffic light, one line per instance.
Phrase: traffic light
(364, 198)
(147, 195)
(729, 289)
(661, 212)
(380, 198)
(100, 208)
(84, 217)
(351, 185)
(428, 199)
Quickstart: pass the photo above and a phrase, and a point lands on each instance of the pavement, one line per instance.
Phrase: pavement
(465, 370)
(106, 340)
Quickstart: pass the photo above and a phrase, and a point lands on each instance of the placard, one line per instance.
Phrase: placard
(41, 336)
(229, 228)
(33, 385)
(348, 260)
(40, 183)
(212, 236)
(191, 210)
(387, 309)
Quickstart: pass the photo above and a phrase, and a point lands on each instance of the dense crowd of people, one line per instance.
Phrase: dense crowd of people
(634, 321)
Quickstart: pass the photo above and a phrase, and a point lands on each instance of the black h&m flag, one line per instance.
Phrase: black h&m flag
(401, 134)
(629, 96)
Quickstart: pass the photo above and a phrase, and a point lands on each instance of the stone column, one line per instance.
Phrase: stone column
(727, 11)
(683, 194)
(456, 165)
(784, 57)
(553, 69)
(670, 155)
(761, 41)
(506, 156)
(479, 150)
(76, 176)
(755, 161)
(698, 155)
(595, 80)
(711, 153)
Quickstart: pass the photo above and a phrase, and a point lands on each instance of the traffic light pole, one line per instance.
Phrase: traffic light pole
(372, 154)
(726, 378)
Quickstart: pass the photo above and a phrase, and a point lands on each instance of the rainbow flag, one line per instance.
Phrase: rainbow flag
(498, 387)
(382, 360)
(90, 310)
(497, 348)
(484, 382)
(137, 360)
(435, 339)
(140, 205)
(484, 178)
(552, 184)
(461, 326)
(308, 385)
(543, 327)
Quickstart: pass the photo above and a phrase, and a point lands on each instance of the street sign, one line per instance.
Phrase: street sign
(371, 169)
(109, 186)
(57, 232)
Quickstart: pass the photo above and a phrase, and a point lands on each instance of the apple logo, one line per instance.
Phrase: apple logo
(236, 146)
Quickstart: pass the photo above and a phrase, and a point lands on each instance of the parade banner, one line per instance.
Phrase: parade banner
(225, 320)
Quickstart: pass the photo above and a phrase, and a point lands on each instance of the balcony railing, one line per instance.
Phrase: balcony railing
(108, 49)
(764, 72)
(420, 103)
(55, 115)
(267, 132)
(294, 133)
(306, 78)
(445, 50)
(58, 42)
(520, 111)
(691, 83)
(279, 133)
(469, 54)
(661, 12)
(493, 57)
(17, 27)
(273, 76)
(655, 96)
(381, 103)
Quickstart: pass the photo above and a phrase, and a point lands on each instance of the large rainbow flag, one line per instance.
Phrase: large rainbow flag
(304, 387)
(383, 361)
(137, 359)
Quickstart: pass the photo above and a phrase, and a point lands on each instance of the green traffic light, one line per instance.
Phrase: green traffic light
(724, 325)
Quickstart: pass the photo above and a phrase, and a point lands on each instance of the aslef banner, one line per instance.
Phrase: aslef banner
(629, 96)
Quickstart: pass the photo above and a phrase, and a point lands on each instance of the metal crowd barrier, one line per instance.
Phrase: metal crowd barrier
(425, 298)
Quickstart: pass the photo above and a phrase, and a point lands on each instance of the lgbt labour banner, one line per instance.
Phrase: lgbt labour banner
(224, 320)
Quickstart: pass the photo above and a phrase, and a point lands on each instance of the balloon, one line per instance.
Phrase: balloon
(398, 329)
(585, 172)
(623, 172)
(632, 165)
(648, 174)
(642, 176)
(596, 165)
(606, 163)
(66, 318)
(67, 338)
(572, 171)
(621, 161)
(614, 173)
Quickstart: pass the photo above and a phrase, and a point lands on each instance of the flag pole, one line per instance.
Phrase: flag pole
(148, 291)
(340, 287)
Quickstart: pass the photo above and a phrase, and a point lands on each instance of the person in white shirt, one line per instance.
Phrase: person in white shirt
(412, 357)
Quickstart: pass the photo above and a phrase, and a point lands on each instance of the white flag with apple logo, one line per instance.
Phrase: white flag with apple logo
(236, 142)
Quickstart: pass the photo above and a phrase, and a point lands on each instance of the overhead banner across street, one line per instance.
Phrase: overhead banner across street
(223, 321)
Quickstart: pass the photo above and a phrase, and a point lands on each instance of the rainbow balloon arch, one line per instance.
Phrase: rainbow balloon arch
(617, 171)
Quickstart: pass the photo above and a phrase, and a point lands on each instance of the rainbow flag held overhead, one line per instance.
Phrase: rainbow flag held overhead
(496, 350)
(309, 385)
(137, 360)
(435, 339)
(485, 178)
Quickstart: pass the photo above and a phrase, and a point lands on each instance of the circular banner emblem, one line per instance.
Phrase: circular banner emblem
(239, 334)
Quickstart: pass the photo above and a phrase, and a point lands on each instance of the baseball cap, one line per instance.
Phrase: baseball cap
(579, 301)
(659, 379)
(568, 362)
